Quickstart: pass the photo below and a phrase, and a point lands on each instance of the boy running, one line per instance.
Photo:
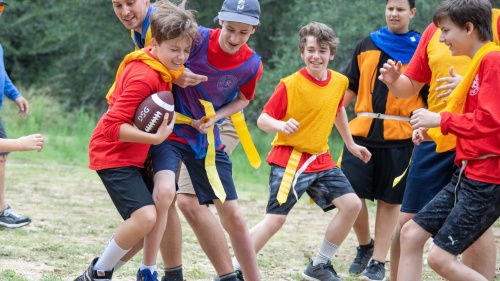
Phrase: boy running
(302, 111)
(117, 149)
(469, 204)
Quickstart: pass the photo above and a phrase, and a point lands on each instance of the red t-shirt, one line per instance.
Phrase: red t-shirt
(478, 129)
(276, 107)
(136, 82)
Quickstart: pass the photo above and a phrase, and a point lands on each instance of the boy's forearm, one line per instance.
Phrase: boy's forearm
(232, 107)
(342, 124)
(268, 124)
(405, 87)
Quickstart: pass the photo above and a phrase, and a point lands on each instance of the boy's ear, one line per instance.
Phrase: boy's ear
(469, 26)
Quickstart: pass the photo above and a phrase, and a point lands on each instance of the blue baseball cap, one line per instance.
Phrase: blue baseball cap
(3, 3)
(244, 11)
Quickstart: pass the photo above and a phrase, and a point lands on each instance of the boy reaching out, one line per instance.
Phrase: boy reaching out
(26, 143)
(302, 111)
(470, 203)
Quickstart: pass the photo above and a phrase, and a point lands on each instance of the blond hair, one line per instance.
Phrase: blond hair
(172, 21)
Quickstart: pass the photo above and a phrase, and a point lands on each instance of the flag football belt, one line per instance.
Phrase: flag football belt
(243, 134)
(383, 116)
(290, 176)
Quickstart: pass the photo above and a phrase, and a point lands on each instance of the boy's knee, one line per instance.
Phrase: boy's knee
(163, 195)
(437, 262)
(146, 216)
(408, 232)
(349, 205)
(189, 205)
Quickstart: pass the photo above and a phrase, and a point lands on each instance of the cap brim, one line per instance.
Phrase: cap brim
(3, 3)
(225, 16)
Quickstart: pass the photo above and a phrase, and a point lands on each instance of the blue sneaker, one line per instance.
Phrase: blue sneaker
(147, 275)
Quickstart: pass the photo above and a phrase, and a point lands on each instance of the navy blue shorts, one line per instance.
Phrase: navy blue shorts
(374, 180)
(3, 135)
(166, 156)
(322, 187)
(127, 189)
(458, 218)
(429, 172)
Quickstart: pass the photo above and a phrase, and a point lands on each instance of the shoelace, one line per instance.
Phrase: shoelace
(10, 211)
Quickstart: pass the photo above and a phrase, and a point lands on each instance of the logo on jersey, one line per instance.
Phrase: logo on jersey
(226, 82)
(474, 89)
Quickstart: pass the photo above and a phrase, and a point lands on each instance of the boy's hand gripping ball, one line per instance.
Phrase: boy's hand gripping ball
(150, 113)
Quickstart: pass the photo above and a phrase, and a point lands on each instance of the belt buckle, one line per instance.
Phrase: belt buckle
(378, 115)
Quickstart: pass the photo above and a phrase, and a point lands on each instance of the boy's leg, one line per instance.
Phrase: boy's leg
(163, 196)
(413, 238)
(171, 245)
(234, 224)
(481, 256)
(395, 244)
(265, 230)
(448, 266)
(385, 222)
(208, 231)
(420, 190)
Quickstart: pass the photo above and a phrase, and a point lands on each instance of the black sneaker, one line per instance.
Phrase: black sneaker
(239, 275)
(361, 260)
(229, 277)
(90, 274)
(320, 272)
(9, 218)
(374, 272)
(173, 274)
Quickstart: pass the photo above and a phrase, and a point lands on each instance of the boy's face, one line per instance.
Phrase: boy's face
(316, 57)
(172, 53)
(398, 15)
(131, 12)
(234, 35)
(454, 37)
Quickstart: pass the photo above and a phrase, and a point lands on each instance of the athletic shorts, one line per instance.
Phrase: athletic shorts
(229, 138)
(374, 180)
(166, 156)
(3, 135)
(456, 226)
(429, 172)
(323, 187)
(126, 188)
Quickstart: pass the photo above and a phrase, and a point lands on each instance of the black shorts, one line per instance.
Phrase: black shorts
(3, 135)
(127, 189)
(457, 218)
(374, 180)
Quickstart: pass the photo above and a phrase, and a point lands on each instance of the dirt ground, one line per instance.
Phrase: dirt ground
(73, 218)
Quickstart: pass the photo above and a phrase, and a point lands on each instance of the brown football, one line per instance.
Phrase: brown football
(150, 113)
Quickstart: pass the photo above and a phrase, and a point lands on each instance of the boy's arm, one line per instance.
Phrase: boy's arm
(30, 142)
(399, 84)
(348, 97)
(129, 133)
(236, 105)
(343, 127)
(269, 124)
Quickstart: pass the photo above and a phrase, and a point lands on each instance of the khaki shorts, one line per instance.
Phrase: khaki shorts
(229, 138)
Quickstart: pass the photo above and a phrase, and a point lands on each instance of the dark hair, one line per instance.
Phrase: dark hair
(411, 2)
(323, 33)
(460, 12)
(171, 21)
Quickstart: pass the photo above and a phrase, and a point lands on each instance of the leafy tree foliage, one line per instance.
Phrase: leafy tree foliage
(73, 47)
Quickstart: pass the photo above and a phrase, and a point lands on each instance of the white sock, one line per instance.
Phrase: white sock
(110, 256)
(151, 268)
(119, 264)
(325, 253)
(236, 264)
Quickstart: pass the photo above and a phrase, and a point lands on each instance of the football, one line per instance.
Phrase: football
(150, 113)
